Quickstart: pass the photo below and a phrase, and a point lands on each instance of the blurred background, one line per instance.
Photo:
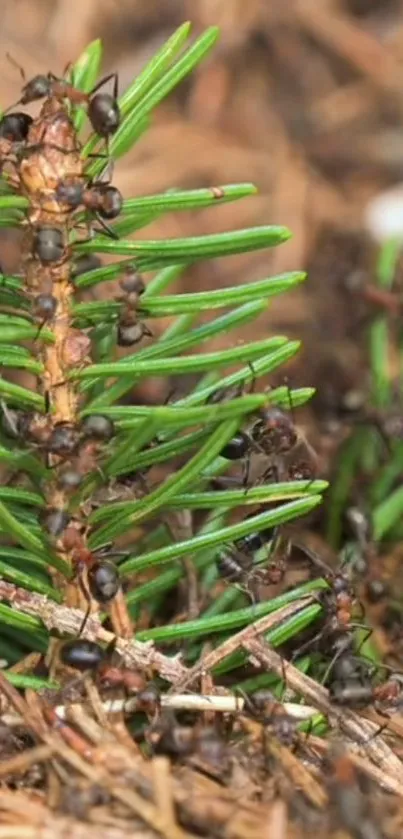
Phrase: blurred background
(305, 99)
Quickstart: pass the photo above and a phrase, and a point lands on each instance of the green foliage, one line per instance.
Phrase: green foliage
(364, 451)
(184, 437)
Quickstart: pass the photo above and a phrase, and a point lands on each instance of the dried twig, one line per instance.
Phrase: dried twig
(357, 727)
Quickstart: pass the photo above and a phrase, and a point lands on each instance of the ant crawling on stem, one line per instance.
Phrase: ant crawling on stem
(236, 562)
(339, 602)
(272, 445)
(102, 108)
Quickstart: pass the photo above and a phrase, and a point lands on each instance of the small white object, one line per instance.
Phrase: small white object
(383, 216)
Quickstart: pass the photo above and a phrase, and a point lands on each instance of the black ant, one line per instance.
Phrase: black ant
(352, 686)
(274, 436)
(15, 127)
(236, 563)
(130, 329)
(104, 200)
(82, 655)
(376, 589)
(103, 109)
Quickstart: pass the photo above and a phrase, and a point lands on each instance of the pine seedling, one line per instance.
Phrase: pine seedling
(89, 473)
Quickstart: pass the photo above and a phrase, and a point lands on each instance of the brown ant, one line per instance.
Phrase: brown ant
(266, 709)
(94, 430)
(130, 329)
(103, 109)
(85, 656)
(339, 602)
(195, 742)
(102, 574)
(59, 439)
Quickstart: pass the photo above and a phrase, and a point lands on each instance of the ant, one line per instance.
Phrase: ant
(103, 109)
(339, 602)
(266, 709)
(94, 430)
(15, 127)
(235, 563)
(60, 439)
(104, 200)
(83, 655)
(130, 329)
(14, 130)
(366, 564)
(48, 245)
(348, 800)
(352, 686)
(103, 577)
(183, 741)
(273, 435)
(83, 263)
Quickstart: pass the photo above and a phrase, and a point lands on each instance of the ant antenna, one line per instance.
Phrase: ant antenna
(17, 66)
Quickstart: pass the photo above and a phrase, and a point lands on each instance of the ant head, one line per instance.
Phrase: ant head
(36, 88)
(63, 440)
(70, 193)
(45, 306)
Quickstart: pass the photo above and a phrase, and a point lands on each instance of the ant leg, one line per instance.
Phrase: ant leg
(9, 418)
(330, 666)
(306, 646)
(66, 70)
(86, 593)
(366, 637)
(246, 471)
(18, 66)
(224, 481)
(103, 81)
(106, 230)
